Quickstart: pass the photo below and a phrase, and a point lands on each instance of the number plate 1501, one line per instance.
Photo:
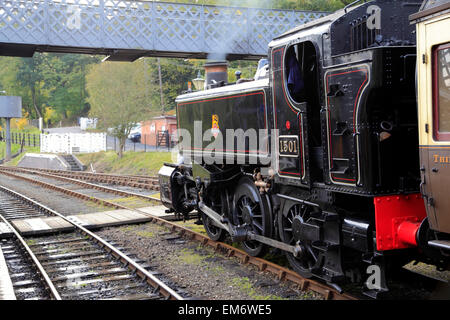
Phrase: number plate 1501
(288, 146)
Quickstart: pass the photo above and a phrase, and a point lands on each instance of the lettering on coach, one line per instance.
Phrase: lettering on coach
(441, 159)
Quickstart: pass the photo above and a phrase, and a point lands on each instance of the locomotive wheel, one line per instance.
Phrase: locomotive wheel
(251, 210)
(214, 233)
(289, 223)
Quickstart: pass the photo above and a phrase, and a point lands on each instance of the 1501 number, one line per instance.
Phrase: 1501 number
(289, 146)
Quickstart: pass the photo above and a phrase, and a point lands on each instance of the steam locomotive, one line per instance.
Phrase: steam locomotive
(318, 156)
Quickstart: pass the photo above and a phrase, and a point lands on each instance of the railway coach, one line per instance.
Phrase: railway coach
(318, 156)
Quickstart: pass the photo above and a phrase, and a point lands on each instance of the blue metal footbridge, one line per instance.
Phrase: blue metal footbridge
(127, 30)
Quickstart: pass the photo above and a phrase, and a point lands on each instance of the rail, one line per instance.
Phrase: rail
(152, 280)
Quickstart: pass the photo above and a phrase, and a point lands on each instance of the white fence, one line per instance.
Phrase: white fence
(73, 142)
(88, 123)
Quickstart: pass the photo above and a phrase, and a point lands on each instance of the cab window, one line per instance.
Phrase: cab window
(294, 74)
(301, 72)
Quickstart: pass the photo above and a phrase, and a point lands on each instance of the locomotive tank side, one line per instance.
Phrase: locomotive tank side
(216, 120)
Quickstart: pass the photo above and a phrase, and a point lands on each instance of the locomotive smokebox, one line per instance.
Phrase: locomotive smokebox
(216, 74)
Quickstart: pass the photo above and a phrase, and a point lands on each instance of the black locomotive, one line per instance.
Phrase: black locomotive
(332, 176)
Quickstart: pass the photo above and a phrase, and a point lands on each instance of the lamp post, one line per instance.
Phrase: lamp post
(199, 83)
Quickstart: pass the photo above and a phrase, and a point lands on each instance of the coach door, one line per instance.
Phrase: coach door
(434, 115)
(291, 66)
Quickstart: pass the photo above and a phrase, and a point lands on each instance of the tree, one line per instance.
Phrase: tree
(22, 77)
(56, 80)
(65, 80)
(119, 96)
(29, 76)
(175, 74)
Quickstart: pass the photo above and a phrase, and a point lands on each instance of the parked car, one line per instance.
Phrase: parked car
(135, 133)
(135, 137)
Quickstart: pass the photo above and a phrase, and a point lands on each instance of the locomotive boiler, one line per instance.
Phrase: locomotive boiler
(318, 156)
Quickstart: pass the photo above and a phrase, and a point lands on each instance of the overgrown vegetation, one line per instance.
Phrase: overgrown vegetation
(191, 257)
(246, 286)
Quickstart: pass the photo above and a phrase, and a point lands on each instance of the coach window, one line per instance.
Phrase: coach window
(441, 92)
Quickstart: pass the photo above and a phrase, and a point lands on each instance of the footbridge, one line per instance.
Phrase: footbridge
(127, 30)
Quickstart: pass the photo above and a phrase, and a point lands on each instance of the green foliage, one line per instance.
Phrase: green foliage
(313, 5)
(65, 80)
(119, 96)
(175, 74)
(48, 80)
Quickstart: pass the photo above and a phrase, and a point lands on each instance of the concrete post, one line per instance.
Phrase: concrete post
(8, 139)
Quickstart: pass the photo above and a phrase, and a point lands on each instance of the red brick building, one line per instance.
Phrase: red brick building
(155, 132)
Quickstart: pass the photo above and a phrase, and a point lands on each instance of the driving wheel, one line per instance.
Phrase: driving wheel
(251, 211)
(289, 224)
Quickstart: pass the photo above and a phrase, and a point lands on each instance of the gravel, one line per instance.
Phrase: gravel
(64, 204)
(72, 186)
(199, 270)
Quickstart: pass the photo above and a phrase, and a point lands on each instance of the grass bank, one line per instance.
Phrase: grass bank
(26, 129)
(14, 149)
(142, 163)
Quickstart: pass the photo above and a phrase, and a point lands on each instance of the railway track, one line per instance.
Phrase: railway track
(328, 292)
(29, 279)
(74, 181)
(134, 181)
(76, 265)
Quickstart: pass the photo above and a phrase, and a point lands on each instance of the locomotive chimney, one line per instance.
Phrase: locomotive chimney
(216, 74)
